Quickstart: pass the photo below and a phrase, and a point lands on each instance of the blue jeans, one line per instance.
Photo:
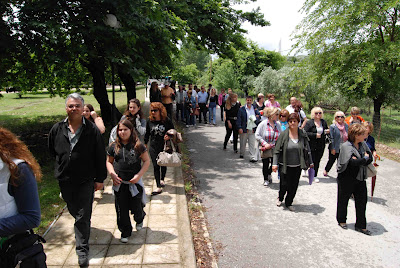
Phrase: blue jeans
(212, 110)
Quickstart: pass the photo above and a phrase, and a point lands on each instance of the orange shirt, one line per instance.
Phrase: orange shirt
(347, 120)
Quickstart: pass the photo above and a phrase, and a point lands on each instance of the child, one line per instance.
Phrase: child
(124, 165)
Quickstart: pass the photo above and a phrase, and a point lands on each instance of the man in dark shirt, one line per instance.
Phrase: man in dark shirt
(80, 168)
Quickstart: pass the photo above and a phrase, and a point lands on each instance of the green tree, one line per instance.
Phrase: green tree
(186, 74)
(225, 75)
(140, 39)
(354, 45)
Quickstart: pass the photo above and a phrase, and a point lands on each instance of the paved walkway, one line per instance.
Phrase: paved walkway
(165, 241)
(249, 230)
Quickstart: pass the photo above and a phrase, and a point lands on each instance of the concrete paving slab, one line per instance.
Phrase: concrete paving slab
(124, 254)
(162, 235)
(97, 254)
(163, 253)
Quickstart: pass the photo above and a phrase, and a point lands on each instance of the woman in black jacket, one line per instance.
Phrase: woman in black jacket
(354, 157)
(317, 129)
(156, 128)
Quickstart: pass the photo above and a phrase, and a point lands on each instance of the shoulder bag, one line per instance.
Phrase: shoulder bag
(23, 250)
(165, 159)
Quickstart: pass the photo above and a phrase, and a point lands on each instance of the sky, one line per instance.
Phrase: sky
(283, 16)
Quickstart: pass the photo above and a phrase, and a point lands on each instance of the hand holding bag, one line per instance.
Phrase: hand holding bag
(371, 170)
(165, 159)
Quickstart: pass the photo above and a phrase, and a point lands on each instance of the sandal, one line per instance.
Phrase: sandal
(343, 225)
(156, 192)
(366, 232)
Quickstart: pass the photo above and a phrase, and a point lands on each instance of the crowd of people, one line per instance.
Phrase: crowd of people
(284, 139)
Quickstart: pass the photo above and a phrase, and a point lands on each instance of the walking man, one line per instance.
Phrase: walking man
(203, 97)
(80, 168)
(247, 121)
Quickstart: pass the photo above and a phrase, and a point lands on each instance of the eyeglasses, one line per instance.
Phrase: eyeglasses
(153, 111)
(318, 113)
(74, 105)
(282, 116)
(340, 116)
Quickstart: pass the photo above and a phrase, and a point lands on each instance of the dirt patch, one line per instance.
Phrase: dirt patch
(389, 152)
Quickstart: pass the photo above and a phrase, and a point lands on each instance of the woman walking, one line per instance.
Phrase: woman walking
(267, 134)
(190, 106)
(338, 131)
(155, 94)
(231, 112)
(156, 127)
(259, 102)
(352, 172)
(289, 154)
(212, 106)
(271, 102)
(283, 117)
(124, 163)
(19, 171)
(317, 129)
(134, 114)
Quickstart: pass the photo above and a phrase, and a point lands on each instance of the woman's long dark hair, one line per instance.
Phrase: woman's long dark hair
(90, 107)
(128, 114)
(133, 139)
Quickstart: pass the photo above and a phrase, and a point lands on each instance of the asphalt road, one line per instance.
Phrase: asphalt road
(251, 231)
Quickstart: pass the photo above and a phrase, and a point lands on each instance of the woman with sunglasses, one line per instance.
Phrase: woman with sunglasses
(317, 129)
(156, 128)
(283, 117)
(338, 131)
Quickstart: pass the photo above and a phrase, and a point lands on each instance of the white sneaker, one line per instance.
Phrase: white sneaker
(278, 203)
(124, 240)
(139, 226)
(266, 183)
(316, 179)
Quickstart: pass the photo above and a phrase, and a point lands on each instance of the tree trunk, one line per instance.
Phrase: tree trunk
(96, 68)
(130, 84)
(376, 119)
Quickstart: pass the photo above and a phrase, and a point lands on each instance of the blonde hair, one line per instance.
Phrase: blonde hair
(369, 126)
(228, 104)
(270, 111)
(355, 110)
(315, 110)
(338, 113)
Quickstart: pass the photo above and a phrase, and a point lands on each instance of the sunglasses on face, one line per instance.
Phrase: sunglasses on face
(340, 116)
(153, 111)
(282, 116)
(318, 113)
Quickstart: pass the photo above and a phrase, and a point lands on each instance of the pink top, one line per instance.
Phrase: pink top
(221, 97)
(269, 104)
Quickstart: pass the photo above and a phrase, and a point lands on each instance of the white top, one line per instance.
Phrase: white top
(8, 207)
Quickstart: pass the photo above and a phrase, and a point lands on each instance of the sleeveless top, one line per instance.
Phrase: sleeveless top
(8, 207)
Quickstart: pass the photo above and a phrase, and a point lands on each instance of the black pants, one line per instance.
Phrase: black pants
(222, 107)
(169, 108)
(203, 111)
(159, 176)
(79, 199)
(229, 131)
(288, 184)
(267, 167)
(125, 202)
(316, 157)
(331, 161)
(180, 111)
(347, 187)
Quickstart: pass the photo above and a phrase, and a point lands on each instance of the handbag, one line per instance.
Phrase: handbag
(328, 139)
(371, 170)
(173, 159)
(23, 250)
(196, 111)
(266, 153)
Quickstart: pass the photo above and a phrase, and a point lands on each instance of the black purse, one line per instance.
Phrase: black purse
(23, 250)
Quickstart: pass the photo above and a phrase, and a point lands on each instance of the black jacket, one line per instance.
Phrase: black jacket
(311, 129)
(87, 160)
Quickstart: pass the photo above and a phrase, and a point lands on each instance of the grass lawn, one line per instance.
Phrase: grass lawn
(31, 118)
